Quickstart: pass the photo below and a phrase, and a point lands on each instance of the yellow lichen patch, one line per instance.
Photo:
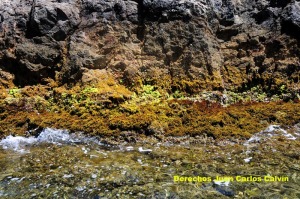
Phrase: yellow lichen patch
(109, 108)
(234, 76)
(193, 86)
(3, 93)
(32, 91)
(129, 121)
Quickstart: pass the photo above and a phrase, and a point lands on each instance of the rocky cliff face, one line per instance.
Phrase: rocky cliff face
(182, 45)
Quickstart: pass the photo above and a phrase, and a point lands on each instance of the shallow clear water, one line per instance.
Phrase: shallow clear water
(58, 164)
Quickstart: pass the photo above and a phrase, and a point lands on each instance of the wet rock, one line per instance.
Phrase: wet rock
(278, 3)
(161, 195)
(225, 190)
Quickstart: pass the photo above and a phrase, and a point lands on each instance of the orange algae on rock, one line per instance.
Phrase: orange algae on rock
(108, 109)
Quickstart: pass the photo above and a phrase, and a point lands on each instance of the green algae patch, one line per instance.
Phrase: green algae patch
(109, 109)
(102, 105)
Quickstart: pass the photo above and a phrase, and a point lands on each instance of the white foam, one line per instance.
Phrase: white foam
(17, 143)
(271, 131)
(276, 129)
(266, 135)
(48, 135)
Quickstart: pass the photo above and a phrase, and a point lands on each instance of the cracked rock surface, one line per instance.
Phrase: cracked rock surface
(210, 44)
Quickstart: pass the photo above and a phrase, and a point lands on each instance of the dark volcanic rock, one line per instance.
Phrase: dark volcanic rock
(175, 44)
(291, 20)
(37, 60)
(54, 19)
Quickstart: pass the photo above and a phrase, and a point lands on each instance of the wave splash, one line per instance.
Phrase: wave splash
(269, 133)
(17, 143)
(272, 131)
(48, 135)
(64, 137)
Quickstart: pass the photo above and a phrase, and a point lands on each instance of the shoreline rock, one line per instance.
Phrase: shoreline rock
(177, 45)
(113, 66)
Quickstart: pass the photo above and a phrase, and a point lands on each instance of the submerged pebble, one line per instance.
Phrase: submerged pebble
(247, 160)
(144, 150)
(225, 190)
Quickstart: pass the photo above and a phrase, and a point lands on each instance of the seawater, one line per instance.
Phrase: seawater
(60, 164)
